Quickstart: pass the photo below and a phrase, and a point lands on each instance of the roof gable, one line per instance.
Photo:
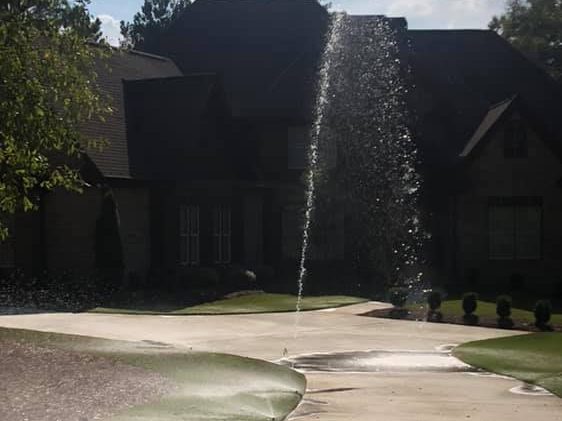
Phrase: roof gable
(467, 72)
(113, 159)
(168, 120)
(489, 122)
(265, 51)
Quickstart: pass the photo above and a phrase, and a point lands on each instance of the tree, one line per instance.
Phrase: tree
(153, 19)
(535, 27)
(47, 90)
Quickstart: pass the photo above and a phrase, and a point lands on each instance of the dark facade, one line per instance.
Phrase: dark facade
(475, 98)
(207, 150)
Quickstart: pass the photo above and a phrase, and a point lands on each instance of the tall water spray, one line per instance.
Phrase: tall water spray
(322, 100)
(361, 111)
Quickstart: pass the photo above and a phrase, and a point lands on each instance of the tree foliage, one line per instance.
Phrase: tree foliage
(47, 90)
(535, 27)
(153, 19)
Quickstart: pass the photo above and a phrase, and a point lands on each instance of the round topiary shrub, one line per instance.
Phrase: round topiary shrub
(398, 297)
(469, 306)
(543, 311)
(503, 310)
(469, 302)
(503, 306)
(434, 302)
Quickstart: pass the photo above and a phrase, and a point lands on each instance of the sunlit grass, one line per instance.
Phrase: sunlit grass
(253, 303)
(534, 358)
(208, 385)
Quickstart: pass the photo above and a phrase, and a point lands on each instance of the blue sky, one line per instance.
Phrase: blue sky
(437, 14)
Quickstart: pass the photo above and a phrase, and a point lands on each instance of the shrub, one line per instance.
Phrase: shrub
(469, 303)
(265, 276)
(503, 306)
(238, 278)
(198, 277)
(398, 296)
(205, 276)
(434, 300)
(503, 310)
(543, 311)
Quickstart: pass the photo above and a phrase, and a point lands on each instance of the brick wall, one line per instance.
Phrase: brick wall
(492, 175)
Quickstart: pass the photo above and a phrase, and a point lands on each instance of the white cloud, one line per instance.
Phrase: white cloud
(110, 29)
(434, 14)
(410, 8)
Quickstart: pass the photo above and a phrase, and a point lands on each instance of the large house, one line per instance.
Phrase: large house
(207, 147)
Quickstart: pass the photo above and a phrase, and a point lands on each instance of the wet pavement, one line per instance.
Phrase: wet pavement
(400, 370)
(379, 361)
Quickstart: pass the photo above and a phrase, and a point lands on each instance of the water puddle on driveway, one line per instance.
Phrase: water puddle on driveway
(376, 361)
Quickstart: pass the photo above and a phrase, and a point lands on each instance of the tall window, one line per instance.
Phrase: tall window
(7, 255)
(515, 139)
(296, 147)
(189, 235)
(222, 234)
(515, 228)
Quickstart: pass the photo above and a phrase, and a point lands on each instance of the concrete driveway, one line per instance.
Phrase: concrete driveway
(386, 395)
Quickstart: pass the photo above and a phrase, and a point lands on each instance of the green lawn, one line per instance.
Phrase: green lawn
(487, 309)
(254, 303)
(534, 358)
(209, 386)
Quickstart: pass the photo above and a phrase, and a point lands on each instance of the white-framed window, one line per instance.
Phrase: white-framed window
(189, 235)
(7, 253)
(297, 158)
(515, 229)
(222, 234)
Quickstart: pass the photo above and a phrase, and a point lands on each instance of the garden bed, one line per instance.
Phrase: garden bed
(453, 314)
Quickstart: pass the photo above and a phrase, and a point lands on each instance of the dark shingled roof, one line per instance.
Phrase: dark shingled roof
(466, 72)
(492, 117)
(265, 51)
(172, 126)
(113, 160)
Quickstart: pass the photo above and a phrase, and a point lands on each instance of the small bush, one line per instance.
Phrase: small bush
(469, 306)
(543, 311)
(199, 277)
(398, 297)
(503, 306)
(503, 310)
(238, 279)
(469, 303)
(265, 276)
(434, 300)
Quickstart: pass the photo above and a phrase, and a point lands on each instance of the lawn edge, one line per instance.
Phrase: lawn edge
(105, 310)
(456, 354)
